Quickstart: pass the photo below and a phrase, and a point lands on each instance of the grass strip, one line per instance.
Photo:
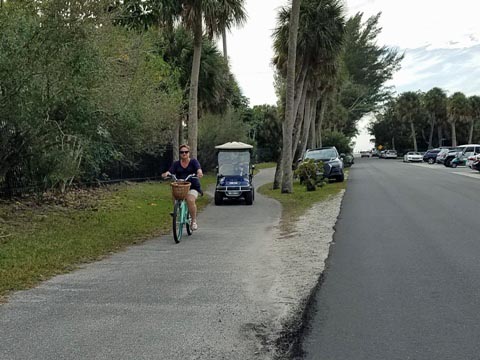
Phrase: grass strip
(37, 243)
(265, 165)
(300, 200)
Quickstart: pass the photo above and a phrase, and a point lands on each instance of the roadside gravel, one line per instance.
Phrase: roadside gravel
(301, 258)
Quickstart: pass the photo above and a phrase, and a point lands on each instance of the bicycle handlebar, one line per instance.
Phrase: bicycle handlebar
(172, 176)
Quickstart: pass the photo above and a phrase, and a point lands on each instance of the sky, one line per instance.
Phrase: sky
(441, 41)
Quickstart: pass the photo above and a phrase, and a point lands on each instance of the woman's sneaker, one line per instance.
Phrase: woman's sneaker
(194, 225)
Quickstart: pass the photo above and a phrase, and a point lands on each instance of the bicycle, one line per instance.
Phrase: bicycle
(180, 215)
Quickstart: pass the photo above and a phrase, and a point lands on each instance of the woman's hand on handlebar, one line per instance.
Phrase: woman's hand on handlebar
(166, 174)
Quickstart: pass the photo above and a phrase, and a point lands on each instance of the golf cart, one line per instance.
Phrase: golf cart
(234, 173)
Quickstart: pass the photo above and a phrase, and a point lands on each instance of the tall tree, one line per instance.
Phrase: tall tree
(474, 115)
(221, 16)
(216, 14)
(368, 67)
(435, 101)
(457, 112)
(409, 109)
(319, 44)
(210, 11)
(287, 178)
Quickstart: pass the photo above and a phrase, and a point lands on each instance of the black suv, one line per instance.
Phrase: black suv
(333, 164)
(431, 155)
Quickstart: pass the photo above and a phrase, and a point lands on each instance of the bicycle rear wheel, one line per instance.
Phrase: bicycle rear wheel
(177, 225)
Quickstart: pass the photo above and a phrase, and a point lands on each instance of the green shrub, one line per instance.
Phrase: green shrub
(307, 173)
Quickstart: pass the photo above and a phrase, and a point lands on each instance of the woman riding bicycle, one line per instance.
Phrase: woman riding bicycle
(182, 168)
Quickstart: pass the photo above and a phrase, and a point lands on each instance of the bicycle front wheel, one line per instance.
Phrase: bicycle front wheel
(177, 224)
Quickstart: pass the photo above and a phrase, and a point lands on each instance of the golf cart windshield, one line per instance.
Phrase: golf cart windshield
(234, 163)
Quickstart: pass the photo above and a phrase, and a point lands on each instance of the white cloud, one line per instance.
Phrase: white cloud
(416, 23)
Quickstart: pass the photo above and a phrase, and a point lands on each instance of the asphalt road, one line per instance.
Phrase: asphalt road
(208, 297)
(403, 275)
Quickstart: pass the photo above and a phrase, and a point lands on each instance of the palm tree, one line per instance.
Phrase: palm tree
(435, 101)
(194, 13)
(218, 88)
(457, 111)
(474, 115)
(221, 15)
(287, 178)
(320, 40)
(320, 37)
(408, 109)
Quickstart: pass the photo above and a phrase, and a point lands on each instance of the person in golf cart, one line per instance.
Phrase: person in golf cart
(234, 173)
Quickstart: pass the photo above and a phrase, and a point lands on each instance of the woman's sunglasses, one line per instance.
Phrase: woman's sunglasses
(184, 152)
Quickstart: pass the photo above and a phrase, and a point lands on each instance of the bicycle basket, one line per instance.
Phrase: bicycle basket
(180, 189)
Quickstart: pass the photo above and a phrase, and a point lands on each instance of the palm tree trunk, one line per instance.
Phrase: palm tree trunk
(432, 127)
(300, 89)
(323, 106)
(312, 140)
(306, 126)
(277, 180)
(414, 136)
(287, 179)
(193, 96)
(299, 120)
(470, 133)
(454, 134)
(440, 135)
(224, 42)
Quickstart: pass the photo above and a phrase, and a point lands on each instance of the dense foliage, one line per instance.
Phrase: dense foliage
(86, 94)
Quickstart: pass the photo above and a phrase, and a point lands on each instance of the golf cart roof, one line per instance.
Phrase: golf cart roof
(234, 146)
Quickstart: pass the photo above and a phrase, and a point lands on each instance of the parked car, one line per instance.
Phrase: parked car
(431, 155)
(442, 155)
(461, 152)
(333, 164)
(412, 156)
(348, 159)
(390, 154)
(472, 159)
(365, 154)
(476, 164)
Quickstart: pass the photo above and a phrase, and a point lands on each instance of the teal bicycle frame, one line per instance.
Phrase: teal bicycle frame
(181, 215)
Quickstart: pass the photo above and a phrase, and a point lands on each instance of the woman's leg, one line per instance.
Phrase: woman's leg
(192, 208)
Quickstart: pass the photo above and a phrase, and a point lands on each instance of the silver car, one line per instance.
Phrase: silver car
(390, 154)
(442, 155)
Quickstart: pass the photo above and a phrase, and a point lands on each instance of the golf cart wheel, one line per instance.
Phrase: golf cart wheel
(218, 198)
(454, 164)
(249, 197)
